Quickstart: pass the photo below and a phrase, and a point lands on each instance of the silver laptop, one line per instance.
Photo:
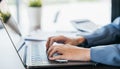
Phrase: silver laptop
(33, 53)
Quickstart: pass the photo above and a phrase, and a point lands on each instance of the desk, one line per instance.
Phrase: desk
(10, 60)
(8, 56)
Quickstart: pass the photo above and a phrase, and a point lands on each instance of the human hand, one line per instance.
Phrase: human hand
(69, 52)
(64, 40)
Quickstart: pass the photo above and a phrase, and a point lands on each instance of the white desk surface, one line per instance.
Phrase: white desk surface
(8, 56)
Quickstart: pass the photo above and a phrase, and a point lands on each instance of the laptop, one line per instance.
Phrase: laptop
(33, 53)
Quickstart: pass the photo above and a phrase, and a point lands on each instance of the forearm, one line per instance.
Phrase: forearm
(106, 35)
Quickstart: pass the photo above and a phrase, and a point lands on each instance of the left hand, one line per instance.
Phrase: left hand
(69, 52)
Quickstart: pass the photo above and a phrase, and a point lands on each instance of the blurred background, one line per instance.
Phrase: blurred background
(63, 11)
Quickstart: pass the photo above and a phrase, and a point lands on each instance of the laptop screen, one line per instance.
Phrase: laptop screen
(12, 29)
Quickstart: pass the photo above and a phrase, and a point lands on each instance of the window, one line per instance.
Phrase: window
(98, 11)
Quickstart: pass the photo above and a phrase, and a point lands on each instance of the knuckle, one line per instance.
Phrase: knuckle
(55, 48)
(51, 37)
(51, 47)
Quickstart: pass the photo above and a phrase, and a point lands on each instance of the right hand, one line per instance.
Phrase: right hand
(64, 40)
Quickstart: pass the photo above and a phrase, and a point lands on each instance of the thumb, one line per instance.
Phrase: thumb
(56, 57)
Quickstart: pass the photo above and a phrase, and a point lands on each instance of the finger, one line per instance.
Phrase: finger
(53, 51)
(60, 39)
(55, 39)
(48, 42)
(50, 49)
(52, 40)
(56, 57)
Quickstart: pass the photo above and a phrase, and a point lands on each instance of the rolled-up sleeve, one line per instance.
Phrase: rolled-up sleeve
(109, 55)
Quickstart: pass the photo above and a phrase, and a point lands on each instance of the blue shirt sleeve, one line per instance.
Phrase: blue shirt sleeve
(109, 34)
(109, 54)
(105, 44)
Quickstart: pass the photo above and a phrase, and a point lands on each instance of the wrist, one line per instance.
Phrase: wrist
(88, 58)
(80, 40)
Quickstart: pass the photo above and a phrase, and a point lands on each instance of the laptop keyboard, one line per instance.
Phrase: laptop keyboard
(38, 53)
